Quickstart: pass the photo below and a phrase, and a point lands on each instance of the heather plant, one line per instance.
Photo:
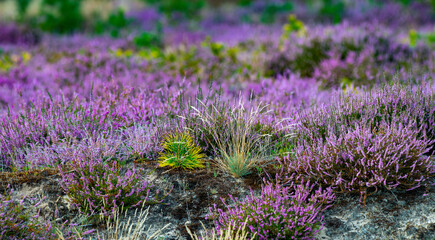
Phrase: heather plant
(180, 151)
(51, 121)
(204, 62)
(363, 159)
(17, 221)
(398, 103)
(366, 142)
(48, 122)
(304, 63)
(357, 69)
(280, 212)
(37, 156)
(142, 142)
(364, 58)
(368, 62)
(98, 188)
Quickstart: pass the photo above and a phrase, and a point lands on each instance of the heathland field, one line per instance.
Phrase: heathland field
(195, 119)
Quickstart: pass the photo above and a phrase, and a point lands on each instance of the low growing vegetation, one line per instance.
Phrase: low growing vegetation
(184, 107)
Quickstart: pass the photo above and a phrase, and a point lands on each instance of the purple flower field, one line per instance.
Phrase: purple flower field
(246, 119)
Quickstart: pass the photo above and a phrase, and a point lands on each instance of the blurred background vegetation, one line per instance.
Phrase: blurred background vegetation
(98, 16)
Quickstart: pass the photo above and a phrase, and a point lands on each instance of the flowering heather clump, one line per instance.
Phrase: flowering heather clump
(142, 142)
(278, 213)
(396, 103)
(17, 223)
(49, 122)
(97, 188)
(311, 55)
(368, 141)
(181, 152)
(362, 158)
(11, 34)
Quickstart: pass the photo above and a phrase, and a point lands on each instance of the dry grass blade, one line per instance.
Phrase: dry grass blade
(239, 146)
(129, 230)
(229, 234)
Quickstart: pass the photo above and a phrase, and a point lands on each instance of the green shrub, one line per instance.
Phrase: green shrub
(62, 16)
(333, 10)
(22, 6)
(303, 63)
(114, 24)
(189, 9)
(179, 151)
(147, 40)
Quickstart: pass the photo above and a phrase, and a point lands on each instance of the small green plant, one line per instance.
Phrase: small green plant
(294, 25)
(216, 48)
(6, 63)
(9, 61)
(416, 37)
(180, 151)
(148, 40)
(283, 147)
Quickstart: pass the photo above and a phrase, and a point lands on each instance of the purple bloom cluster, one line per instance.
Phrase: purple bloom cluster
(362, 159)
(367, 141)
(280, 212)
(12, 34)
(98, 188)
(17, 221)
(88, 104)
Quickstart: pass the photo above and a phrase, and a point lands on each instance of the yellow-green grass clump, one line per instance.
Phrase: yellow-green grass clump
(180, 151)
